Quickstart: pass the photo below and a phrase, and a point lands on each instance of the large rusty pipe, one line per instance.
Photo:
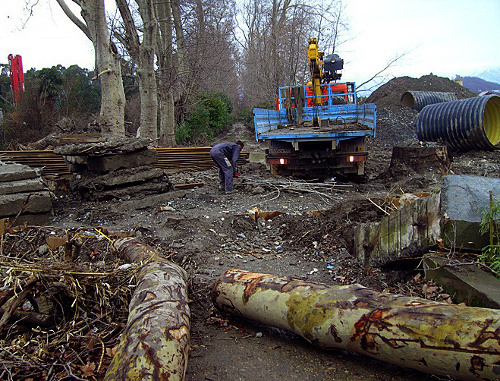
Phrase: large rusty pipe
(464, 125)
(419, 99)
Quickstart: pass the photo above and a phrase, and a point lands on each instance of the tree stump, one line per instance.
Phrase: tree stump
(421, 159)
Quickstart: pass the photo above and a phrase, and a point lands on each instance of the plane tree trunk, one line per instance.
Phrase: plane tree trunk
(143, 55)
(108, 70)
(437, 338)
(155, 343)
(171, 70)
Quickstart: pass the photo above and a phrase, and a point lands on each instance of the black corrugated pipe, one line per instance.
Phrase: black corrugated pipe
(419, 99)
(467, 124)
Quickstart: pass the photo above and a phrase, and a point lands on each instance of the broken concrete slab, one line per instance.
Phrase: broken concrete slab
(450, 217)
(120, 177)
(465, 283)
(123, 183)
(113, 145)
(151, 187)
(37, 219)
(110, 163)
(21, 186)
(13, 172)
(34, 202)
(464, 200)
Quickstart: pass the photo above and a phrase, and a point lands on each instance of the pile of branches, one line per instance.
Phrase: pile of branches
(63, 303)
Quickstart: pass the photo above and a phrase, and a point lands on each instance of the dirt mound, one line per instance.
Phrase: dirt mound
(390, 93)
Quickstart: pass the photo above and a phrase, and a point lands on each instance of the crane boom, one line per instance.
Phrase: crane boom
(16, 76)
(315, 59)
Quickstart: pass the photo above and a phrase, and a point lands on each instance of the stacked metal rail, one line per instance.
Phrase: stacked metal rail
(171, 159)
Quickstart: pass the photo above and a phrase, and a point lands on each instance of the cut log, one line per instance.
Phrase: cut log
(437, 338)
(155, 343)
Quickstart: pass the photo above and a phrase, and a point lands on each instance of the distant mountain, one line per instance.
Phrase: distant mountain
(478, 85)
(490, 75)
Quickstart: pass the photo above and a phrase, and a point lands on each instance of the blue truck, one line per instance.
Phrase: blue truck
(312, 135)
(317, 130)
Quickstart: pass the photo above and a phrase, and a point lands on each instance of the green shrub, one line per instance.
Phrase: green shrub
(245, 116)
(209, 115)
(490, 254)
(182, 133)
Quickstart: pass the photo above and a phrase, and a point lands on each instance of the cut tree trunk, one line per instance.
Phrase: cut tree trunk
(421, 159)
(155, 343)
(437, 338)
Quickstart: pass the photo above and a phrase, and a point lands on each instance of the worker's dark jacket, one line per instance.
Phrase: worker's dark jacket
(226, 156)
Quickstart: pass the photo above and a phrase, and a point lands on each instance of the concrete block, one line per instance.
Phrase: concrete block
(465, 283)
(20, 186)
(451, 217)
(35, 202)
(464, 199)
(14, 172)
(110, 163)
(38, 219)
(257, 157)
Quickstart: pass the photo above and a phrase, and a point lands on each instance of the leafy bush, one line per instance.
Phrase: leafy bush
(209, 115)
(182, 133)
(245, 116)
(490, 254)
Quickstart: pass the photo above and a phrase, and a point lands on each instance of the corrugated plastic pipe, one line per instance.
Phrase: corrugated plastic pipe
(419, 99)
(466, 124)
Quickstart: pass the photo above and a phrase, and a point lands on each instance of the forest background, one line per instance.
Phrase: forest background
(175, 72)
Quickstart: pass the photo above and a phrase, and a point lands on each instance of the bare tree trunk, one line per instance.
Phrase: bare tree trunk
(167, 81)
(167, 112)
(112, 115)
(447, 340)
(143, 55)
(155, 343)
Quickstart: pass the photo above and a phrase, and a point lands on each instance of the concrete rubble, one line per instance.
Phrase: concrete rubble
(114, 169)
(23, 195)
(447, 219)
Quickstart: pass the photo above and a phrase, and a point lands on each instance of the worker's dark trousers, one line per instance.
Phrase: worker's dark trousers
(225, 169)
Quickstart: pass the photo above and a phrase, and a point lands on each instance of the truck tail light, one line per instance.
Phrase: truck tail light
(355, 158)
(277, 161)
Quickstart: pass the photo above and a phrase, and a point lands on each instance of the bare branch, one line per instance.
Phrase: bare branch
(387, 66)
(79, 23)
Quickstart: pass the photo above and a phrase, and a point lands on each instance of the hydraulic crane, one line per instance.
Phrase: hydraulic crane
(318, 129)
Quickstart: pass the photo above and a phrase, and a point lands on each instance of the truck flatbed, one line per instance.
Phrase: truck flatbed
(344, 121)
(307, 132)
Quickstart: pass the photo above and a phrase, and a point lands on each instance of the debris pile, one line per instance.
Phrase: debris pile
(391, 92)
(116, 168)
(23, 195)
(67, 293)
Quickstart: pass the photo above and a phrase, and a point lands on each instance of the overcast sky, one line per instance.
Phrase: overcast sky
(445, 37)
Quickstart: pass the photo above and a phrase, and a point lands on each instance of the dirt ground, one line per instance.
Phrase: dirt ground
(208, 232)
